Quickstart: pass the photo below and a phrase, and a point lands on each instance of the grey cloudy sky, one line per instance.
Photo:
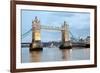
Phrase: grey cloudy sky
(79, 23)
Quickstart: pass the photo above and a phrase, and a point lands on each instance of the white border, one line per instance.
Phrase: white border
(51, 64)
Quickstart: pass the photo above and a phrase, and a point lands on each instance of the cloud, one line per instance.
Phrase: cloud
(79, 22)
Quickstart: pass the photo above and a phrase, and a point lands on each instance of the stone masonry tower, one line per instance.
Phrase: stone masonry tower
(66, 44)
(36, 36)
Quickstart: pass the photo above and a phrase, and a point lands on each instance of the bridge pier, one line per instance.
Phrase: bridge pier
(36, 46)
(66, 45)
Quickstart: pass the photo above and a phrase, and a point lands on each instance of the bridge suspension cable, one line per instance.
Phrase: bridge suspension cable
(73, 38)
(25, 34)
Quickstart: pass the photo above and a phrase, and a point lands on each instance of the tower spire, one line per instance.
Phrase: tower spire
(36, 20)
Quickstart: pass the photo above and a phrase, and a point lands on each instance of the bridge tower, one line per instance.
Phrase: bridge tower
(66, 44)
(36, 36)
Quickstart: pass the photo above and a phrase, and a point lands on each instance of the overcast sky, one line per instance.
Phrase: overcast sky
(79, 23)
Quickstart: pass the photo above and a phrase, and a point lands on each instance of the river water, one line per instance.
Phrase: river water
(54, 54)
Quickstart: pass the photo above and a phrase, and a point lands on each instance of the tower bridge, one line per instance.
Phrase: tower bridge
(36, 35)
(36, 43)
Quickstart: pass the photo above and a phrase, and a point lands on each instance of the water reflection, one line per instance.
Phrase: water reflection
(35, 56)
(55, 54)
(66, 54)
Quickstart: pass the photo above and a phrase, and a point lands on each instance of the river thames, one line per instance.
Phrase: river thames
(55, 54)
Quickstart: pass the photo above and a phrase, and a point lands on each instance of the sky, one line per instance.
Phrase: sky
(79, 23)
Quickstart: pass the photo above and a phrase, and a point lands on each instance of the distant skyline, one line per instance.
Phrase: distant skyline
(79, 23)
